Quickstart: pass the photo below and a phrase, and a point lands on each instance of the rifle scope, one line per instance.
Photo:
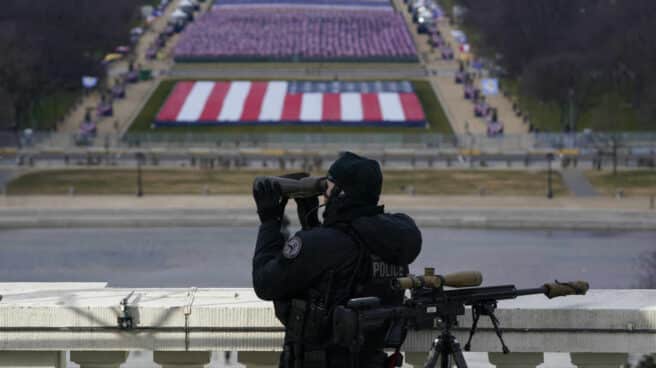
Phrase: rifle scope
(431, 280)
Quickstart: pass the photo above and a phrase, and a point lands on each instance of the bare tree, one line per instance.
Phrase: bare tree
(590, 47)
(49, 46)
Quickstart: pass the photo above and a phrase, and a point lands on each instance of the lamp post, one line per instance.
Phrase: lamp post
(470, 140)
(550, 157)
(140, 157)
(572, 122)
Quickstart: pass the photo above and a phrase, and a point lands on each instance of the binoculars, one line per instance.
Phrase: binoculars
(310, 186)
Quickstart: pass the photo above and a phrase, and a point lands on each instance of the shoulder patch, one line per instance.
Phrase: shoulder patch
(292, 248)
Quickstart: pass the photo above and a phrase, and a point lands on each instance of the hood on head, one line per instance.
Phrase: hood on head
(359, 177)
(393, 237)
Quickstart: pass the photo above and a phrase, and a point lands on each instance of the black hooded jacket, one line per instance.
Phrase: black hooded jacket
(280, 275)
(355, 253)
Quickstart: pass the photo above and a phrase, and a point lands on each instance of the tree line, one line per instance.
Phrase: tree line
(48, 45)
(589, 53)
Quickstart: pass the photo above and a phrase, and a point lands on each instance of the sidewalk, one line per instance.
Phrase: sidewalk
(577, 183)
(604, 204)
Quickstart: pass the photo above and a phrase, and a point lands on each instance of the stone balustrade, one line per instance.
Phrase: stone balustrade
(47, 325)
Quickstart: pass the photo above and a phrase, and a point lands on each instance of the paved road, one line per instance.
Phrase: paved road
(221, 257)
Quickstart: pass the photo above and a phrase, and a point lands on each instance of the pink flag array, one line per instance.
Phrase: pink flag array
(246, 102)
(245, 4)
(297, 34)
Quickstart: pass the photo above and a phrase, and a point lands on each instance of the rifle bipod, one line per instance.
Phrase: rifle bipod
(486, 308)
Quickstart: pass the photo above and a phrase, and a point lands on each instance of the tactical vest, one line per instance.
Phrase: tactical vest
(308, 321)
(380, 276)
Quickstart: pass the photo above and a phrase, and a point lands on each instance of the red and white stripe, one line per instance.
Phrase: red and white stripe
(245, 101)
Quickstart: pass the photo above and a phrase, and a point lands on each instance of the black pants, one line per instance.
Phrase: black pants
(371, 359)
(335, 358)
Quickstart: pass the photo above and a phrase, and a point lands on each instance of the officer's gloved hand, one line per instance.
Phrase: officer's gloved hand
(269, 200)
(307, 208)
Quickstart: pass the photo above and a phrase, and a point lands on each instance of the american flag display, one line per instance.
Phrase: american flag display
(388, 103)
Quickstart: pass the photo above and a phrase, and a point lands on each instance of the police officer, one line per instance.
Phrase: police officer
(355, 253)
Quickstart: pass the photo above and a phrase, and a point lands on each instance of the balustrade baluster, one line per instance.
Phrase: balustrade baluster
(599, 360)
(258, 359)
(99, 359)
(182, 359)
(516, 360)
(415, 359)
(41, 359)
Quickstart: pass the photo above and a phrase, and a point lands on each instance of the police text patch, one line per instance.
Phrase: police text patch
(292, 248)
(384, 270)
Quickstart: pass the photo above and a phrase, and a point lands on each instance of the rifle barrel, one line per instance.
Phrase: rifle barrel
(473, 295)
(540, 290)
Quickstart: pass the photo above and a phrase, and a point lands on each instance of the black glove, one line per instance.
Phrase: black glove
(269, 200)
(307, 208)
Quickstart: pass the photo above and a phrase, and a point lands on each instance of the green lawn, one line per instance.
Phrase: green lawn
(548, 115)
(194, 181)
(544, 115)
(633, 183)
(52, 108)
(607, 107)
(438, 122)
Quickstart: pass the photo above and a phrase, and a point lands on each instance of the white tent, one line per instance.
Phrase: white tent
(187, 5)
(178, 14)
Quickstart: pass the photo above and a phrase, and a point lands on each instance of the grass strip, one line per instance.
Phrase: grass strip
(632, 183)
(196, 181)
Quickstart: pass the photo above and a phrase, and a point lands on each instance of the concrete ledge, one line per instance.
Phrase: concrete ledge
(24, 287)
(622, 321)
